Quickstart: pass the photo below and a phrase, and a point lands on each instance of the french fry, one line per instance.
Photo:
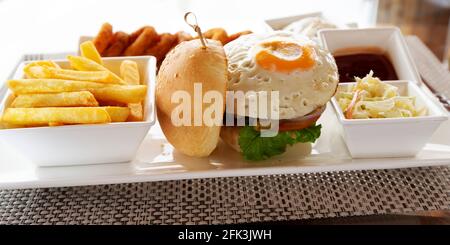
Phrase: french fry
(136, 112)
(120, 93)
(90, 76)
(55, 124)
(64, 115)
(48, 63)
(9, 100)
(84, 64)
(117, 114)
(4, 125)
(102, 92)
(112, 103)
(88, 50)
(32, 69)
(130, 74)
(29, 86)
(66, 99)
(103, 38)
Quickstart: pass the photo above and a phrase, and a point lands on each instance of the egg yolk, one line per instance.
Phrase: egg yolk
(285, 57)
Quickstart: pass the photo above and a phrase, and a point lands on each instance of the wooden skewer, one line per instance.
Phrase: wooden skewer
(195, 27)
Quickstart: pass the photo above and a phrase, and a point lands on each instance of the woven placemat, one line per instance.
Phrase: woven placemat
(233, 199)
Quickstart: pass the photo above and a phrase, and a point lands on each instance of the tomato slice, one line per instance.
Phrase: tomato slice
(301, 122)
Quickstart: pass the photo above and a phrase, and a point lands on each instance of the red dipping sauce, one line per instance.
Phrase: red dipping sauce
(359, 62)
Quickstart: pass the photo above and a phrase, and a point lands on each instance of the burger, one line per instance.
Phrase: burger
(303, 74)
(305, 77)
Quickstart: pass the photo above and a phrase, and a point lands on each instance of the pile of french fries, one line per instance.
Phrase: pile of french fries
(88, 93)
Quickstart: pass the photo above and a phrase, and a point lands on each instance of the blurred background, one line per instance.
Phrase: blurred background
(48, 26)
(427, 19)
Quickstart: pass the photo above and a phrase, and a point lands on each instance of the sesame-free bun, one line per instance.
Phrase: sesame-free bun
(186, 64)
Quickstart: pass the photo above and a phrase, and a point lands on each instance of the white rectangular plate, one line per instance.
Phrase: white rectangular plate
(156, 160)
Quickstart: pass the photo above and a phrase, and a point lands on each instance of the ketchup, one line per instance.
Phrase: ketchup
(360, 64)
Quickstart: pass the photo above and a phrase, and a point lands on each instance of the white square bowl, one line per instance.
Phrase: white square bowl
(86, 144)
(391, 137)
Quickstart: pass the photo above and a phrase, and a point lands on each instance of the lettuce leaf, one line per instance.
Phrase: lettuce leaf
(256, 148)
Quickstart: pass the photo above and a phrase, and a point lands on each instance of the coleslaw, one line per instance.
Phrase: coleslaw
(371, 98)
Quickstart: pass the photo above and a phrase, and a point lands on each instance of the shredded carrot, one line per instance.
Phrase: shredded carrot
(350, 107)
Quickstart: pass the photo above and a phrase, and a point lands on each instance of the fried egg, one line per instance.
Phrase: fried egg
(304, 74)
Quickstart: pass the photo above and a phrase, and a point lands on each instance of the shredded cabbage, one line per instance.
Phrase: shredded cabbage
(371, 98)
